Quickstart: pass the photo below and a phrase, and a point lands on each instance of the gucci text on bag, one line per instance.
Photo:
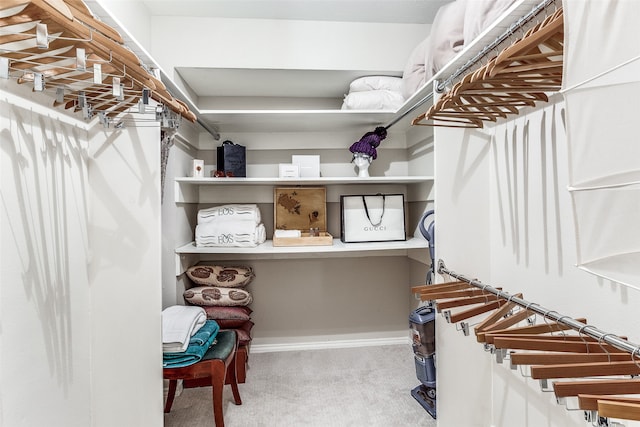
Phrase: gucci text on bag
(372, 218)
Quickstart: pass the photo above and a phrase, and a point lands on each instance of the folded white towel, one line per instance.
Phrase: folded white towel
(179, 323)
(230, 213)
(287, 233)
(243, 234)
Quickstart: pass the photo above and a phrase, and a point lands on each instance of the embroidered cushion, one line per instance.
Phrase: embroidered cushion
(223, 276)
(229, 317)
(213, 295)
(238, 313)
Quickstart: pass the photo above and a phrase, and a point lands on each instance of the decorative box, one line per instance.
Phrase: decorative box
(304, 209)
(309, 165)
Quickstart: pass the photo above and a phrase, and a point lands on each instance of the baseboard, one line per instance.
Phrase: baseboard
(303, 343)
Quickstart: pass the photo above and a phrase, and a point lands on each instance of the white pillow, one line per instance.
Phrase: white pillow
(373, 100)
(376, 83)
(480, 14)
(415, 71)
(447, 35)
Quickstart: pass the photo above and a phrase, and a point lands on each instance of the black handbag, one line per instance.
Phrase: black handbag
(232, 159)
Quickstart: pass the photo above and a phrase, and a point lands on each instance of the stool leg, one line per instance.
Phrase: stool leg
(217, 383)
(170, 395)
(233, 380)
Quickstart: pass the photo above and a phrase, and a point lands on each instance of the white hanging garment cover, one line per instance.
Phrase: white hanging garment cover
(601, 87)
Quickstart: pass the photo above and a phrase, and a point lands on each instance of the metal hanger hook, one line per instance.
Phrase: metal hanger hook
(603, 347)
(561, 330)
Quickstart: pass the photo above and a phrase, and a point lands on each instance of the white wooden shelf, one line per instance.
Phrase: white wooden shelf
(306, 181)
(260, 190)
(414, 248)
(338, 249)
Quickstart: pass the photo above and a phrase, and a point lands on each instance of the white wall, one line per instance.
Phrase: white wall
(80, 297)
(45, 295)
(125, 275)
(282, 44)
(515, 231)
(462, 235)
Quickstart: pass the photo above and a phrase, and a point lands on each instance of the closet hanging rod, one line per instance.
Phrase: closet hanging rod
(521, 22)
(582, 328)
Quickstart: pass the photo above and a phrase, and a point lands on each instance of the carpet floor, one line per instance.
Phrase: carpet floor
(367, 386)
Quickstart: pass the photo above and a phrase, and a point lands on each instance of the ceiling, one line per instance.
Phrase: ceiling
(381, 11)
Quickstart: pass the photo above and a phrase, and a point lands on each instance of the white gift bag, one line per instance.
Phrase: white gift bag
(372, 218)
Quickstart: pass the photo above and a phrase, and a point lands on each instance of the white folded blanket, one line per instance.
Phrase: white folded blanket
(179, 323)
(366, 83)
(373, 100)
(242, 234)
(232, 212)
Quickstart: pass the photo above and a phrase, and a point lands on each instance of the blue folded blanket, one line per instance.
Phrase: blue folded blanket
(209, 328)
(198, 346)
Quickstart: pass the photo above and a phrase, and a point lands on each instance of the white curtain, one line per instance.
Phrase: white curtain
(601, 86)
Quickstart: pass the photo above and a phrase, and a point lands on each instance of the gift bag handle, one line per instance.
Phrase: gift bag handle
(366, 210)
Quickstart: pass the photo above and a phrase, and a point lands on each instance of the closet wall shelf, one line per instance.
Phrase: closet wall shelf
(337, 250)
(188, 255)
(330, 180)
(260, 190)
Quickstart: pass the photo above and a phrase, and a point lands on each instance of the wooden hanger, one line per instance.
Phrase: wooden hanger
(440, 286)
(462, 122)
(446, 294)
(589, 402)
(618, 409)
(518, 76)
(567, 338)
(70, 25)
(507, 322)
(531, 330)
(581, 370)
(533, 358)
(552, 345)
(81, 13)
(460, 302)
(472, 312)
(549, 28)
(605, 387)
(496, 316)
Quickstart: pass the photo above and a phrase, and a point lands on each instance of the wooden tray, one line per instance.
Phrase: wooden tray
(324, 239)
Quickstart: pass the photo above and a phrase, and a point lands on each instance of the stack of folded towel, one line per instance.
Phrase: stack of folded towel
(186, 335)
(230, 225)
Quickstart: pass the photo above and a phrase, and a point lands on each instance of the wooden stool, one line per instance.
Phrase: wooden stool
(214, 364)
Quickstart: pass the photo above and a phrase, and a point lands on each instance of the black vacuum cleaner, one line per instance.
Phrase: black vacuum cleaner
(423, 334)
